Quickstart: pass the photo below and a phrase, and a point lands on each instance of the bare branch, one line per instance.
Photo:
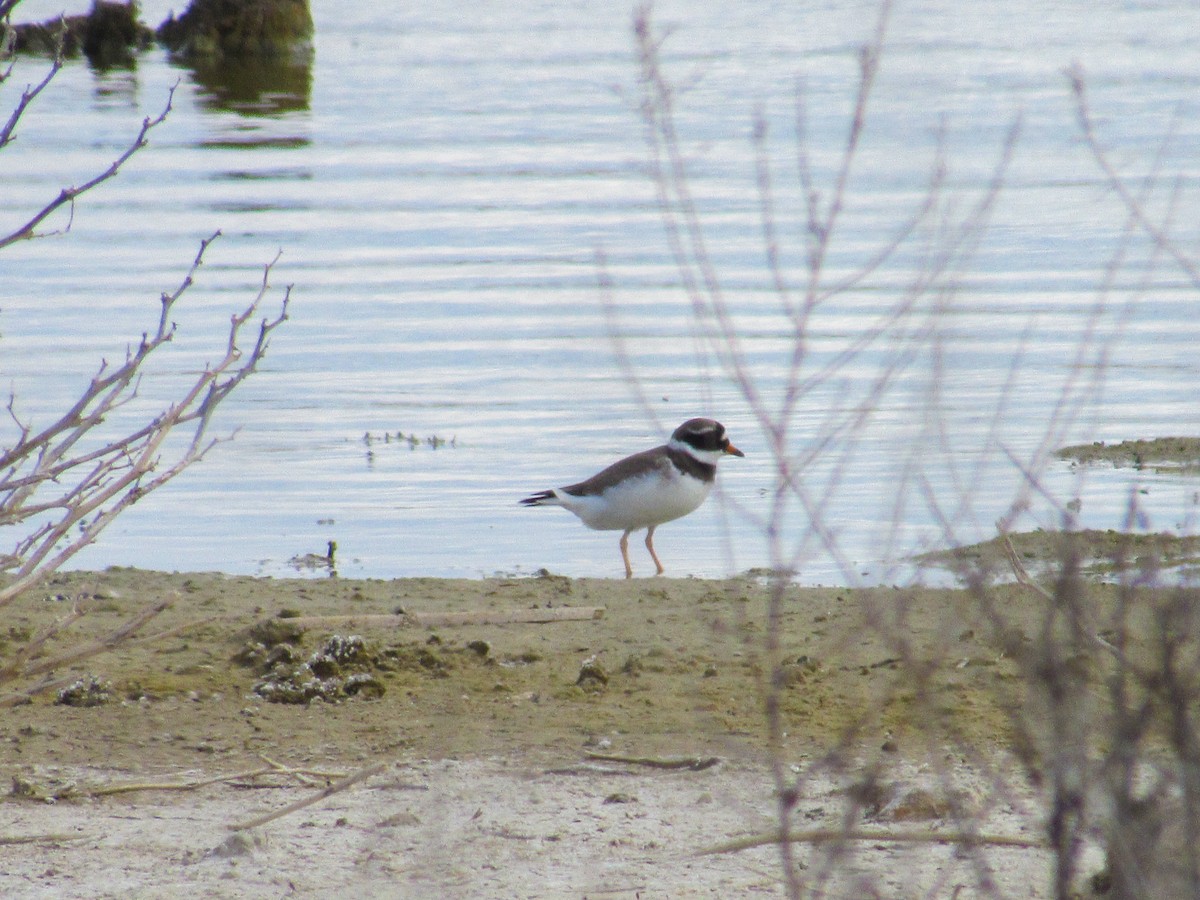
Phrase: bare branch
(1133, 204)
(67, 196)
(27, 97)
(92, 648)
(84, 492)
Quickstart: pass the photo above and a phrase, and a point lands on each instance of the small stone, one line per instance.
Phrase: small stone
(916, 805)
(620, 797)
(592, 675)
(240, 844)
(365, 685)
(85, 692)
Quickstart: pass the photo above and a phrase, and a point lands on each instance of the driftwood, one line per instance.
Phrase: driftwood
(534, 616)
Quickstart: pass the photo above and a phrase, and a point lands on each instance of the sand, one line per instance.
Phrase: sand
(489, 740)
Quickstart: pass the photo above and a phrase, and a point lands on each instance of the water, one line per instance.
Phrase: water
(440, 186)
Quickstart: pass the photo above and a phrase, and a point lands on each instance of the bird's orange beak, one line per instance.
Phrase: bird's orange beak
(733, 451)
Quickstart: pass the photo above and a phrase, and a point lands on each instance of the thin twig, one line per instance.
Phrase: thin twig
(1026, 580)
(692, 763)
(27, 97)
(833, 836)
(110, 640)
(272, 768)
(1134, 206)
(342, 785)
(137, 786)
(125, 469)
(34, 645)
(7, 840)
(305, 776)
(29, 231)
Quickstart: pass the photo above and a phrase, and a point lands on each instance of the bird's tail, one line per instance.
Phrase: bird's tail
(541, 498)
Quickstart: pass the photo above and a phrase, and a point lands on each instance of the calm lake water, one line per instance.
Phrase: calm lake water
(440, 182)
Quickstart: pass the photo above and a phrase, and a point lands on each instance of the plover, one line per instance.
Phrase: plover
(648, 488)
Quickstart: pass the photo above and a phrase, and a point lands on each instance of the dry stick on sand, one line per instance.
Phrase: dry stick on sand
(272, 768)
(134, 787)
(348, 781)
(304, 776)
(9, 840)
(833, 835)
(693, 763)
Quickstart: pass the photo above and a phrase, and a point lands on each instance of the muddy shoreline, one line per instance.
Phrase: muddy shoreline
(671, 669)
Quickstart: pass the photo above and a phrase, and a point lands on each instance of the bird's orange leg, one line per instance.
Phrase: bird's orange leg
(650, 547)
(625, 554)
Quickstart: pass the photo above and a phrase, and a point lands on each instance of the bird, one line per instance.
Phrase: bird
(648, 488)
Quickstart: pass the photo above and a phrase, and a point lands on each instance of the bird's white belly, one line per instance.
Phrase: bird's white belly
(639, 502)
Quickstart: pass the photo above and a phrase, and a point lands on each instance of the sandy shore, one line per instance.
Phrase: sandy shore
(488, 735)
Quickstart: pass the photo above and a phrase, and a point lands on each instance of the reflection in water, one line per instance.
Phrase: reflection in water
(116, 89)
(253, 58)
(265, 94)
(253, 87)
